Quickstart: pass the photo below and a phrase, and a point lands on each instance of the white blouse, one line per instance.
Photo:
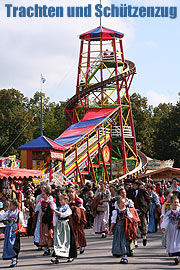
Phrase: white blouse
(66, 212)
(114, 214)
(51, 203)
(10, 213)
(165, 221)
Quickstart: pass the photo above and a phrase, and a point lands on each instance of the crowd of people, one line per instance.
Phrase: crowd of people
(57, 216)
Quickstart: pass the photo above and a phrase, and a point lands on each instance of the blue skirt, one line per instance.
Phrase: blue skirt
(37, 229)
(152, 223)
(120, 245)
(11, 242)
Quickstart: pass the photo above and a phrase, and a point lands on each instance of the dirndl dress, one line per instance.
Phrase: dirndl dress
(12, 239)
(120, 245)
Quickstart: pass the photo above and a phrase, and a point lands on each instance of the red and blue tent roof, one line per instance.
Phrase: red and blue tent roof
(42, 143)
(90, 121)
(101, 32)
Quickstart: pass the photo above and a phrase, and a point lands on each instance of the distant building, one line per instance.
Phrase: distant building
(166, 173)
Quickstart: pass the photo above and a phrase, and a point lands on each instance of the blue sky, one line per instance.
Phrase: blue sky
(30, 47)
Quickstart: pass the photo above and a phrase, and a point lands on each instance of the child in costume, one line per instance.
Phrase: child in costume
(12, 238)
(64, 240)
(171, 223)
(167, 204)
(120, 246)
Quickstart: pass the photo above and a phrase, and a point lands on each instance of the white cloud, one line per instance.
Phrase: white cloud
(155, 98)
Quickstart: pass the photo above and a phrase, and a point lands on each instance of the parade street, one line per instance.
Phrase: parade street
(97, 256)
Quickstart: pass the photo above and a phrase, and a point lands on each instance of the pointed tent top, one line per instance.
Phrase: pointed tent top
(102, 32)
(42, 142)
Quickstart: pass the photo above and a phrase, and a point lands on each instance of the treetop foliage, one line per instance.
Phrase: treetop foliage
(157, 128)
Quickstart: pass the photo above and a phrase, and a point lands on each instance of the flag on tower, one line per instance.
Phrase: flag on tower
(43, 80)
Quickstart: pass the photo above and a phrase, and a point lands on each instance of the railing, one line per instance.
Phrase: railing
(141, 166)
(93, 65)
(130, 69)
(82, 150)
(116, 131)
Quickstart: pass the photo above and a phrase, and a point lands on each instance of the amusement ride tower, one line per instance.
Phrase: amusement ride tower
(103, 82)
(100, 141)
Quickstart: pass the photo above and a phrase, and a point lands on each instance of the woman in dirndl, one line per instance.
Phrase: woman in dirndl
(64, 240)
(12, 238)
(101, 220)
(37, 215)
(155, 204)
(45, 206)
(77, 219)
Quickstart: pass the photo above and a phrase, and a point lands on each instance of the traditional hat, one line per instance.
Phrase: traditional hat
(137, 181)
(127, 182)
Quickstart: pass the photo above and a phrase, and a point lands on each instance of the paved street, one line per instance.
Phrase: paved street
(97, 256)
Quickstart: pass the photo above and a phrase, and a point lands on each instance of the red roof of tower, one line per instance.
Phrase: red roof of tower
(102, 32)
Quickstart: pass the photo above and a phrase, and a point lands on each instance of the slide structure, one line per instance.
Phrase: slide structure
(100, 143)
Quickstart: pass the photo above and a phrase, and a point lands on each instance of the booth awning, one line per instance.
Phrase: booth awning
(19, 173)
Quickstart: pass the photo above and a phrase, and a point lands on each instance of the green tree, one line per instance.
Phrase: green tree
(14, 118)
(142, 116)
(167, 139)
(20, 119)
(53, 116)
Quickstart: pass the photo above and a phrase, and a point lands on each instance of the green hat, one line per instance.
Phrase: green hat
(138, 182)
(63, 188)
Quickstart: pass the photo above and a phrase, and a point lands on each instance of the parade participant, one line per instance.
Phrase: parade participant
(42, 187)
(78, 219)
(29, 204)
(171, 222)
(64, 240)
(141, 201)
(122, 193)
(165, 208)
(127, 185)
(161, 197)
(45, 206)
(12, 238)
(101, 220)
(37, 215)
(155, 207)
(87, 196)
(174, 187)
(120, 246)
(130, 204)
(113, 201)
